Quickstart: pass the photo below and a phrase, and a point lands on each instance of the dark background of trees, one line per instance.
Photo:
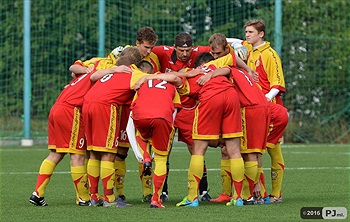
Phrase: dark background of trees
(315, 52)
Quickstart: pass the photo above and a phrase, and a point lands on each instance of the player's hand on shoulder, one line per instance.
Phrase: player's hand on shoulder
(254, 75)
(204, 79)
(139, 82)
(89, 69)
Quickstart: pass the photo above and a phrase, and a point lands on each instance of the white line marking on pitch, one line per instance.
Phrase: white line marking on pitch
(185, 170)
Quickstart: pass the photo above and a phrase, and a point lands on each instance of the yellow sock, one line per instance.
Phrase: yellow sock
(245, 190)
(79, 177)
(237, 170)
(226, 177)
(277, 169)
(250, 173)
(120, 169)
(159, 175)
(45, 172)
(108, 178)
(93, 172)
(195, 173)
(146, 182)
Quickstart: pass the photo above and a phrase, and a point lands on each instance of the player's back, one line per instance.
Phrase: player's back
(155, 99)
(248, 91)
(73, 93)
(113, 88)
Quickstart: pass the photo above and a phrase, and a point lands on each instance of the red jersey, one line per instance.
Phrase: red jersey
(248, 91)
(73, 93)
(115, 88)
(168, 59)
(214, 85)
(155, 99)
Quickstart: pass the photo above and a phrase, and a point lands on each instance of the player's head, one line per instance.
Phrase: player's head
(130, 55)
(218, 45)
(146, 39)
(255, 31)
(183, 46)
(203, 58)
(145, 66)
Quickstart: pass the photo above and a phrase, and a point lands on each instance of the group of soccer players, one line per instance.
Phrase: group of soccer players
(210, 95)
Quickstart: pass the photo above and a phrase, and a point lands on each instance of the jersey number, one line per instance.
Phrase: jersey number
(160, 85)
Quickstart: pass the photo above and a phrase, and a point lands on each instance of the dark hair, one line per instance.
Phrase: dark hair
(147, 34)
(202, 58)
(183, 39)
(145, 66)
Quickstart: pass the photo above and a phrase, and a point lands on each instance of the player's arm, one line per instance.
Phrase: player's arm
(102, 72)
(251, 72)
(270, 95)
(78, 69)
(224, 71)
(189, 73)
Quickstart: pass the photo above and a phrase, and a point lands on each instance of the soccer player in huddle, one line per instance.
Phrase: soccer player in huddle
(101, 117)
(175, 58)
(66, 135)
(255, 124)
(153, 120)
(217, 115)
(146, 40)
(265, 60)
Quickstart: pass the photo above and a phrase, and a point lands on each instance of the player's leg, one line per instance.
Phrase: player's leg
(250, 174)
(93, 171)
(45, 172)
(237, 169)
(120, 171)
(277, 172)
(226, 178)
(79, 177)
(260, 188)
(145, 169)
(195, 173)
(165, 193)
(108, 180)
(159, 176)
(162, 137)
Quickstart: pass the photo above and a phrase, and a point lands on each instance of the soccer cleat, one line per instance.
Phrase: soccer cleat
(82, 203)
(250, 201)
(260, 200)
(164, 197)
(122, 197)
(96, 203)
(266, 200)
(147, 167)
(36, 200)
(147, 198)
(204, 196)
(274, 199)
(186, 203)
(116, 203)
(223, 198)
(155, 204)
(233, 202)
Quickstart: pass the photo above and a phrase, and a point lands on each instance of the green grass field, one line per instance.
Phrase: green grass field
(315, 176)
